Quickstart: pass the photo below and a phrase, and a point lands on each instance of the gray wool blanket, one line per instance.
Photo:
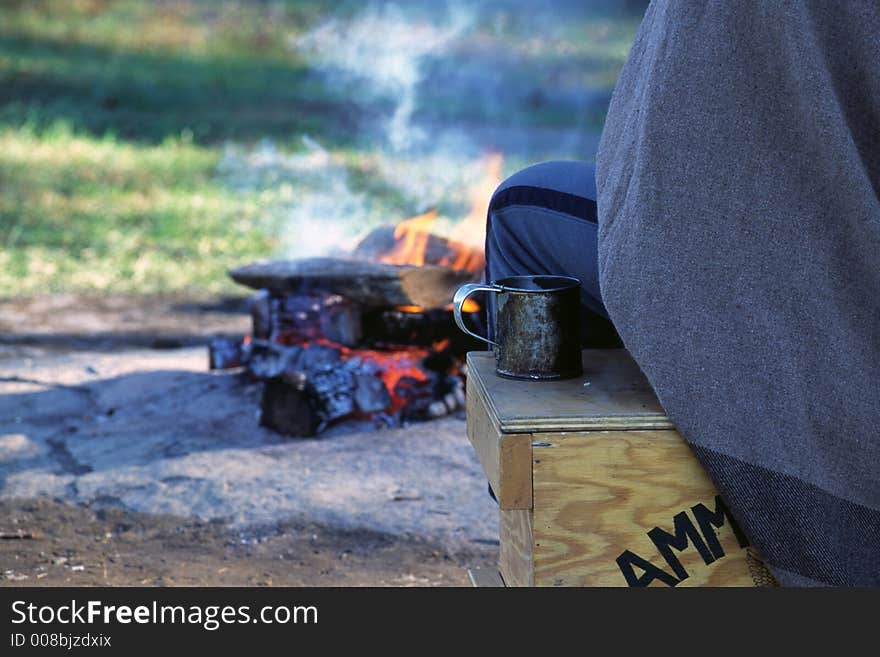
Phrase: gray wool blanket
(739, 257)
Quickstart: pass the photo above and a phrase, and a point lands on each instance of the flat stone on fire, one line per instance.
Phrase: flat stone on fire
(370, 284)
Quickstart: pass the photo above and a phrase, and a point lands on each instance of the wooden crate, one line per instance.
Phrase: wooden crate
(595, 486)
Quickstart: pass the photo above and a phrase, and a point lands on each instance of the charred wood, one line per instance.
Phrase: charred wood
(391, 327)
(287, 409)
(224, 354)
(341, 322)
(261, 318)
(266, 360)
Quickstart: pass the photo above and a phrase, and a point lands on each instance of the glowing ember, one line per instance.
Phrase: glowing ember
(391, 366)
(394, 366)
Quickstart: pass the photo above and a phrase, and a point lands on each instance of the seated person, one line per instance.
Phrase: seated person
(731, 235)
(542, 220)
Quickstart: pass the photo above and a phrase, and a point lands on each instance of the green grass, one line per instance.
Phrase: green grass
(114, 115)
(111, 118)
(80, 213)
(143, 71)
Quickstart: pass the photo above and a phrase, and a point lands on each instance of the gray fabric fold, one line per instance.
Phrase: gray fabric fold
(739, 258)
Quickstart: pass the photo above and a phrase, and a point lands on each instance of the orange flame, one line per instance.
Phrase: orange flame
(472, 229)
(467, 257)
(470, 306)
(411, 240)
(464, 246)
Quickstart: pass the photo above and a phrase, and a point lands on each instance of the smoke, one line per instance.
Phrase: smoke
(433, 89)
(310, 201)
(304, 198)
(381, 53)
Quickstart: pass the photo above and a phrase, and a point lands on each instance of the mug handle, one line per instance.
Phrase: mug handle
(458, 300)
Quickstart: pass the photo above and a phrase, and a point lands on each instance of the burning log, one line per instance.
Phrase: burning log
(296, 319)
(317, 389)
(370, 394)
(340, 391)
(368, 336)
(403, 327)
(438, 250)
(266, 360)
(369, 284)
(342, 323)
(412, 242)
(285, 408)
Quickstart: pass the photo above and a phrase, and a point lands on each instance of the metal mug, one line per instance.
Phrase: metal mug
(537, 325)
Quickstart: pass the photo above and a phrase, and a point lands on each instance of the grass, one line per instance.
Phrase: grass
(111, 118)
(146, 70)
(114, 115)
(87, 214)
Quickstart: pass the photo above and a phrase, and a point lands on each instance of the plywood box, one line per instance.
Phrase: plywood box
(595, 486)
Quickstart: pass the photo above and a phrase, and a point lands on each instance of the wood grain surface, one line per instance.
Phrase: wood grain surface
(598, 494)
(516, 560)
(506, 458)
(612, 394)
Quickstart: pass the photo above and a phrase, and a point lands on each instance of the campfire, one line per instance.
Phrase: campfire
(369, 336)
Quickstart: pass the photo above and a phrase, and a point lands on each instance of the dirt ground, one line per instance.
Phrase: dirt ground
(107, 477)
(66, 323)
(74, 545)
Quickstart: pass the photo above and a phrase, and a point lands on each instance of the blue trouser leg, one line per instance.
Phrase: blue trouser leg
(542, 220)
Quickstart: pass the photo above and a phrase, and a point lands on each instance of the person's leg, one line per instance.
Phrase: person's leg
(542, 220)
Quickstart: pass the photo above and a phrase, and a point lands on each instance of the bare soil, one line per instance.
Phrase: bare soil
(74, 545)
(65, 323)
